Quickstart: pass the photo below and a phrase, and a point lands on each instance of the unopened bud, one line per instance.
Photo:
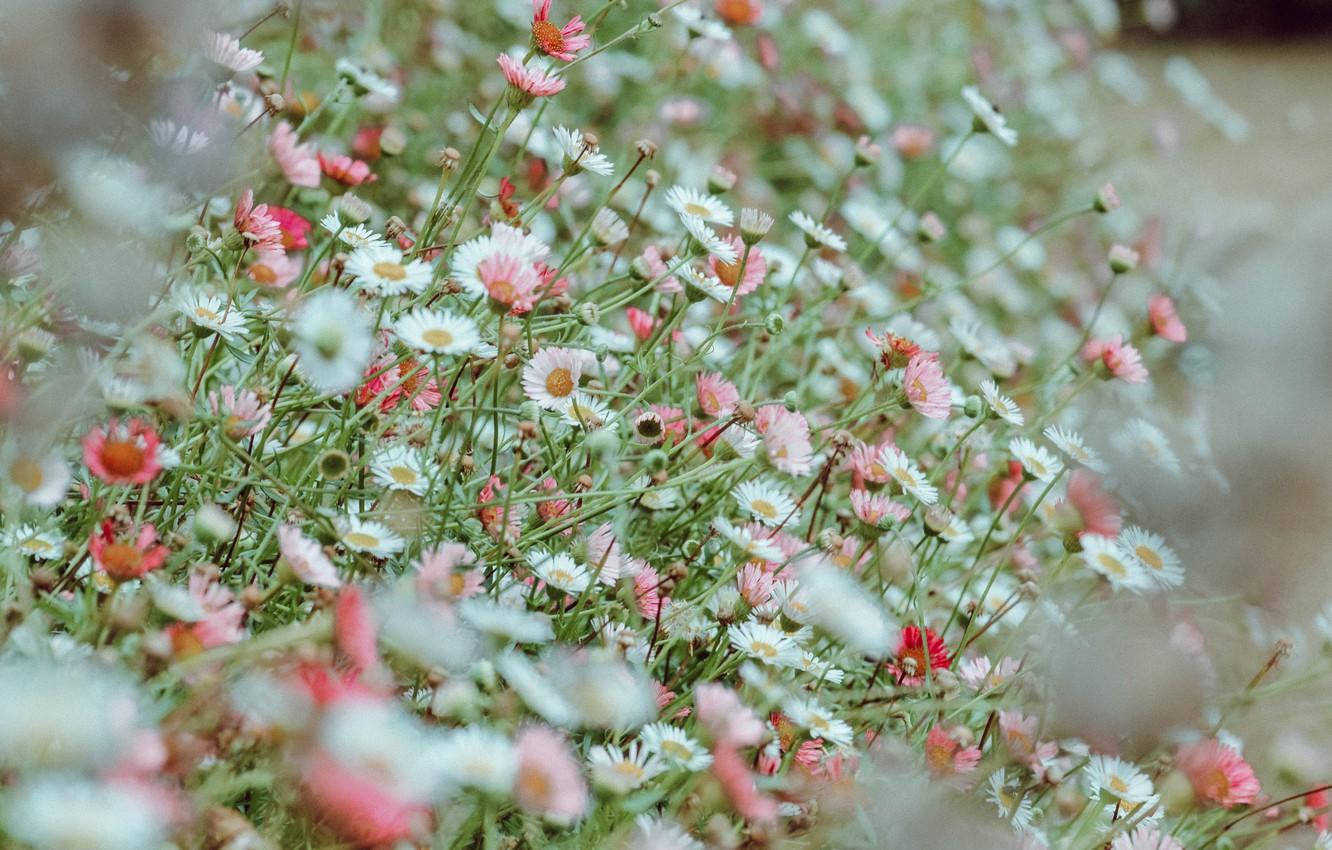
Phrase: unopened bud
(754, 225)
(720, 180)
(1106, 200)
(1123, 259)
(212, 524)
(867, 152)
(931, 228)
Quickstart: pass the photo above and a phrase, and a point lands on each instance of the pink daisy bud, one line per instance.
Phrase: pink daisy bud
(1119, 359)
(527, 81)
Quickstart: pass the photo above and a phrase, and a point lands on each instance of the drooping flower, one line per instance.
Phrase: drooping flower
(581, 153)
(530, 82)
(817, 235)
(226, 51)
(1165, 321)
(345, 169)
(123, 454)
(1120, 359)
(1219, 774)
(260, 230)
(447, 572)
(987, 118)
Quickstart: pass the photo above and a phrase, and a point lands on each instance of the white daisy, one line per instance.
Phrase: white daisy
(365, 81)
(481, 758)
(1001, 405)
(1071, 444)
(1120, 568)
(41, 479)
(797, 606)
(1010, 800)
(704, 235)
(587, 412)
(621, 771)
(983, 344)
(373, 538)
(579, 155)
(539, 692)
(1150, 550)
(398, 467)
(816, 234)
(608, 228)
(765, 643)
(437, 331)
(1117, 778)
(212, 312)
(1143, 439)
(765, 502)
(654, 497)
(560, 571)
(176, 138)
(551, 377)
(505, 622)
(674, 747)
(691, 203)
(381, 270)
(987, 117)
(755, 547)
(909, 476)
(355, 236)
(333, 339)
(820, 721)
(502, 243)
(700, 25)
(1038, 461)
(29, 540)
(819, 669)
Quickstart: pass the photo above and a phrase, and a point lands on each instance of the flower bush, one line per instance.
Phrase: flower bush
(440, 424)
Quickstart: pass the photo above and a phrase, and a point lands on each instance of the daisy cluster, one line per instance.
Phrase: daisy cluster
(667, 425)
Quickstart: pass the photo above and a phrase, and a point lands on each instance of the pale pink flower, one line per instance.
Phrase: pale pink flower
(261, 231)
(1019, 733)
(344, 169)
(926, 387)
(223, 614)
(510, 282)
(245, 415)
(273, 269)
(786, 437)
(1165, 321)
(1218, 773)
(548, 781)
(603, 555)
(358, 807)
(532, 82)
(871, 508)
(716, 395)
(733, 773)
(667, 284)
(866, 464)
(299, 163)
(755, 584)
(728, 274)
(728, 720)
(1121, 359)
(1145, 837)
(560, 42)
(647, 595)
(1099, 512)
(306, 558)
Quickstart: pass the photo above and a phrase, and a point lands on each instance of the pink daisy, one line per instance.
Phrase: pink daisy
(551, 40)
(261, 231)
(306, 558)
(124, 555)
(245, 415)
(1121, 359)
(872, 508)
(926, 387)
(295, 228)
(728, 274)
(221, 622)
(531, 82)
(298, 162)
(667, 284)
(275, 270)
(1165, 321)
(510, 282)
(786, 437)
(354, 629)
(945, 756)
(716, 395)
(1145, 837)
(1099, 512)
(646, 593)
(548, 782)
(867, 466)
(358, 807)
(727, 719)
(1218, 773)
(737, 781)
(344, 169)
(755, 584)
(123, 454)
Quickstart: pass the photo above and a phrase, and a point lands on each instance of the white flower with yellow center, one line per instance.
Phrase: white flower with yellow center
(674, 747)
(820, 721)
(480, 758)
(372, 538)
(909, 476)
(692, 203)
(381, 270)
(587, 412)
(702, 233)
(1040, 463)
(551, 377)
(621, 771)
(1072, 445)
(560, 571)
(816, 234)
(579, 154)
(1158, 560)
(41, 480)
(356, 236)
(437, 331)
(1010, 800)
(398, 467)
(763, 549)
(1144, 440)
(765, 643)
(29, 540)
(213, 313)
(1120, 568)
(1116, 778)
(1001, 405)
(765, 502)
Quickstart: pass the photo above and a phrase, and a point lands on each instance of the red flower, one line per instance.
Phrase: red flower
(354, 629)
(125, 454)
(295, 228)
(915, 656)
(126, 556)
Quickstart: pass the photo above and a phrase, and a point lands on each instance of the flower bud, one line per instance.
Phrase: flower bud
(1106, 200)
(791, 401)
(212, 524)
(1122, 259)
(930, 228)
(655, 461)
(351, 210)
(867, 152)
(754, 225)
(589, 313)
(720, 180)
(333, 464)
(973, 407)
(774, 323)
(392, 142)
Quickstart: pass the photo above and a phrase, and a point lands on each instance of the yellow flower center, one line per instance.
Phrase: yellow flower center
(438, 337)
(27, 474)
(403, 474)
(360, 540)
(388, 270)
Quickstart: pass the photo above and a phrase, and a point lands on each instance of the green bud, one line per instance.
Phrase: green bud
(974, 407)
(774, 323)
(333, 464)
(655, 461)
